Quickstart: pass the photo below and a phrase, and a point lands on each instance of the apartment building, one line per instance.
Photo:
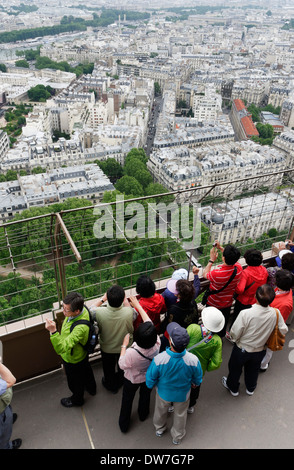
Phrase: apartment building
(277, 95)
(273, 120)
(242, 121)
(244, 162)
(207, 107)
(236, 221)
(57, 185)
(285, 143)
(4, 144)
(287, 113)
(253, 91)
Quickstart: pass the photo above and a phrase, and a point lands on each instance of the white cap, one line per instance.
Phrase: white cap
(180, 274)
(283, 252)
(213, 319)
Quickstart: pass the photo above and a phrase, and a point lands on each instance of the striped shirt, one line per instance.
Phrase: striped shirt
(218, 277)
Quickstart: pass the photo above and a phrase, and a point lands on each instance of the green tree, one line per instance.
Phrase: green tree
(38, 93)
(111, 168)
(254, 111)
(11, 175)
(22, 63)
(266, 131)
(21, 121)
(157, 89)
(129, 185)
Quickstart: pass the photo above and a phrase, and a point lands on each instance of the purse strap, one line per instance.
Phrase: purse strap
(141, 354)
(277, 313)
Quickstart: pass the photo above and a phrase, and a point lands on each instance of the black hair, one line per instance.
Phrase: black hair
(115, 296)
(145, 335)
(284, 279)
(231, 254)
(253, 257)
(75, 300)
(186, 290)
(287, 261)
(145, 287)
(265, 294)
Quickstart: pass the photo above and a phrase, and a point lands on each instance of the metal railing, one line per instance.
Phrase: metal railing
(45, 256)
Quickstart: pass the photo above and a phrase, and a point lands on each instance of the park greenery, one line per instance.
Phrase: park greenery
(256, 111)
(266, 131)
(70, 24)
(43, 62)
(289, 24)
(40, 93)
(105, 261)
(17, 9)
(15, 119)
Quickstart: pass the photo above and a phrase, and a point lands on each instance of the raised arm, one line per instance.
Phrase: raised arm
(7, 376)
(135, 304)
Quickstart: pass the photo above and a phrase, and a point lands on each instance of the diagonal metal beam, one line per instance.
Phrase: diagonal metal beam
(9, 249)
(60, 222)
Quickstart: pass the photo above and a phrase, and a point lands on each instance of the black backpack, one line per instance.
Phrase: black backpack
(93, 333)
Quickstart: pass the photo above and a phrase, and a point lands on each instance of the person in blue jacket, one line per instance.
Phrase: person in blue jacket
(173, 372)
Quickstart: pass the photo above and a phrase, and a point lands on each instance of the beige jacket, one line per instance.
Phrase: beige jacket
(253, 327)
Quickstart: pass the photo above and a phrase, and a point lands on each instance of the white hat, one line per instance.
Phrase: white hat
(213, 319)
(180, 274)
(283, 252)
(171, 286)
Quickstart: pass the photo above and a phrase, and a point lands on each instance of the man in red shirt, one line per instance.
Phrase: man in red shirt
(231, 271)
(284, 295)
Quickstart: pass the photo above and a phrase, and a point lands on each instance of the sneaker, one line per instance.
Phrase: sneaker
(176, 442)
(16, 443)
(264, 369)
(160, 433)
(224, 382)
(249, 393)
(190, 410)
(67, 402)
(171, 409)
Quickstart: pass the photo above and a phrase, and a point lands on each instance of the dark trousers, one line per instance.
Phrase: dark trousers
(6, 421)
(113, 375)
(194, 395)
(128, 395)
(237, 309)
(250, 362)
(80, 377)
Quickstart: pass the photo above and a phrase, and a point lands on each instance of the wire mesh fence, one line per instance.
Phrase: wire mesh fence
(90, 248)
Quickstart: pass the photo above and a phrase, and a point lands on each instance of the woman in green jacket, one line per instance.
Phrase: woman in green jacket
(206, 344)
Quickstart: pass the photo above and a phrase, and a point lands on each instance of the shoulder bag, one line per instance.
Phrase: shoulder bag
(276, 340)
